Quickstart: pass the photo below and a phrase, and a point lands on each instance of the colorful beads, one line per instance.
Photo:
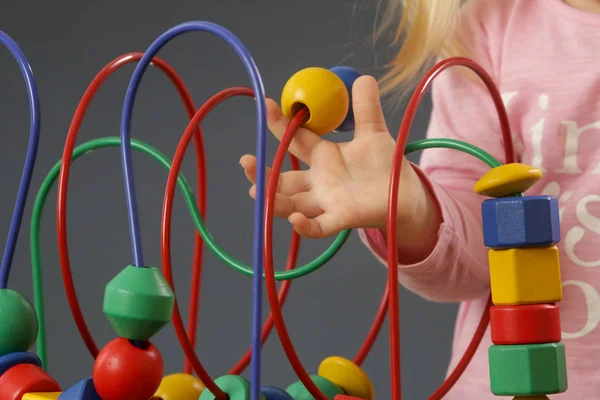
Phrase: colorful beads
(138, 302)
(82, 390)
(18, 322)
(235, 386)
(179, 387)
(527, 358)
(124, 371)
(531, 221)
(348, 376)
(348, 76)
(525, 276)
(275, 393)
(527, 370)
(525, 324)
(8, 361)
(25, 378)
(299, 392)
(507, 179)
(322, 92)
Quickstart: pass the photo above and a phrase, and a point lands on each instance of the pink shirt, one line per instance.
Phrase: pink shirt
(543, 55)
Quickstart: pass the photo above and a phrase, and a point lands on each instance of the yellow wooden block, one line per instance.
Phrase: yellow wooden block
(41, 396)
(348, 376)
(179, 386)
(525, 276)
(507, 179)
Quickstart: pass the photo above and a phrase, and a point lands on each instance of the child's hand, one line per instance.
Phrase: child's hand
(347, 183)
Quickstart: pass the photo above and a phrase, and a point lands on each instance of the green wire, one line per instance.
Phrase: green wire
(36, 217)
(196, 217)
(455, 145)
(188, 194)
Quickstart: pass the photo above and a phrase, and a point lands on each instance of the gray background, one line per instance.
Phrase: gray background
(329, 312)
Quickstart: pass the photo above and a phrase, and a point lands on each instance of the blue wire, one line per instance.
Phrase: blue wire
(261, 136)
(34, 138)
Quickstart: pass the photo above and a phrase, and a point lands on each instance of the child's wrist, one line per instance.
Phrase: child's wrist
(417, 231)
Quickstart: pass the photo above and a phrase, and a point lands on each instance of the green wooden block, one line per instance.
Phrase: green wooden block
(138, 302)
(528, 370)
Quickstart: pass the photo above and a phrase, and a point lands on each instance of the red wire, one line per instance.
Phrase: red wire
(166, 242)
(284, 337)
(192, 325)
(405, 126)
(283, 291)
(392, 284)
(365, 349)
(467, 355)
(271, 286)
(87, 98)
(202, 201)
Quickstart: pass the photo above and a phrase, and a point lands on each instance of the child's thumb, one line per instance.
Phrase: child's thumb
(366, 104)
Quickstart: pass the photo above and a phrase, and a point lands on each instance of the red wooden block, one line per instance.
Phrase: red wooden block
(525, 324)
(25, 378)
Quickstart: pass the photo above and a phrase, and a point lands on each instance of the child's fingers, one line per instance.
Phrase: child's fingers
(322, 226)
(248, 163)
(366, 104)
(289, 183)
(304, 140)
(304, 203)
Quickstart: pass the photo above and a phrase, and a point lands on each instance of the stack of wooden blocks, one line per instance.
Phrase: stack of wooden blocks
(527, 357)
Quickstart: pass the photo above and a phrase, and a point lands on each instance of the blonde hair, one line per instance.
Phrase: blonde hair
(425, 28)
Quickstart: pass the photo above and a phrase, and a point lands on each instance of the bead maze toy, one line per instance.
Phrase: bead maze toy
(526, 360)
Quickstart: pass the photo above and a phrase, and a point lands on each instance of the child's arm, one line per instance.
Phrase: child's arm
(456, 266)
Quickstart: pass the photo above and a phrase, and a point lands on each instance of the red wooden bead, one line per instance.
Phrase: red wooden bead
(525, 324)
(25, 378)
(345, 397)
(123, 371)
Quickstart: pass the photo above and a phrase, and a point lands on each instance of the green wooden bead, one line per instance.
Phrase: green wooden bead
(528, 370)
(235, 386)
(18, 322)
(299, 392)
(138, 302)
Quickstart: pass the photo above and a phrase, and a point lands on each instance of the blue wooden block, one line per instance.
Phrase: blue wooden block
(518, 222)
(9, 360)
(82, 390)
(348, 76)
(275, 393)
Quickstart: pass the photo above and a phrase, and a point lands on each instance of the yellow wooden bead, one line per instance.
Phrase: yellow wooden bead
(525, 276)
(179, 386)
(348, 376)
(322, 92)
(41, 396)
(507, 179)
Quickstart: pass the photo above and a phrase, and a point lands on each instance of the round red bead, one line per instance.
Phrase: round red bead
(25, 378)
(124, 371)
(525, 324)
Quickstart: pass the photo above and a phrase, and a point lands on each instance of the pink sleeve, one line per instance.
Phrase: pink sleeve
(456, 270)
